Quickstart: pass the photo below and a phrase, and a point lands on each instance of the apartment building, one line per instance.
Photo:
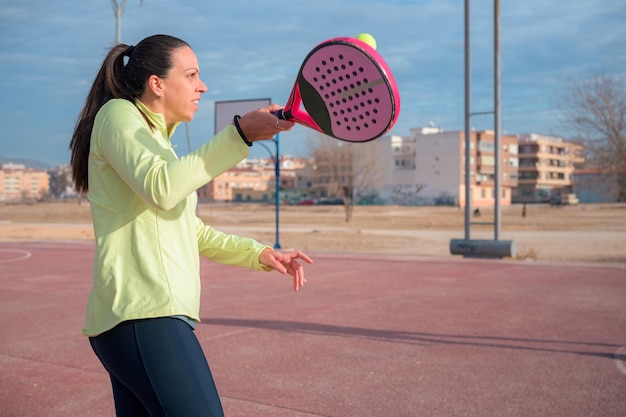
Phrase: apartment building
(19, 183)
(428, 167)
(546, 167)
(252, 180)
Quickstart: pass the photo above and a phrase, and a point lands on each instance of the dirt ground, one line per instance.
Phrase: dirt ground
(590, 233)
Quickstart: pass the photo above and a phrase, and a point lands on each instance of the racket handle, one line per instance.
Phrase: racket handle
(280, 114)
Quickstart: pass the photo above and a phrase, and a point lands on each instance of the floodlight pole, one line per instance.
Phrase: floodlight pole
(468, 246)
(497, 221)
(497, 116)
(468, 132)
(118, 11)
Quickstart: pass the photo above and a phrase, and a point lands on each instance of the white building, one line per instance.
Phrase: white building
(428, 167)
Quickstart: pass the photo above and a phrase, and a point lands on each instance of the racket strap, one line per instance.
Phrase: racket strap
(236, 123)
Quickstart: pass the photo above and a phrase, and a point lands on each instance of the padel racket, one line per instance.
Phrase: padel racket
(344, 89)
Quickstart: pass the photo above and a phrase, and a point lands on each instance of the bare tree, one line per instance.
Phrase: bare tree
(346, 170)
(594, 110)
(60, 180)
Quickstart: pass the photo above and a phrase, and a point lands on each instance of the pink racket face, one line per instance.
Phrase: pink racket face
(349, 91)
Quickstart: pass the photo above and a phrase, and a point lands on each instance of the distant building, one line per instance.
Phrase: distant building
(425, 168)
(595, 185)
(546, 167)
(234, 183)
(252, 180)
(429, 168)
(18, 183)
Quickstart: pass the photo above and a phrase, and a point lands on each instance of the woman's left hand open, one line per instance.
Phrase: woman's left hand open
(286, 263)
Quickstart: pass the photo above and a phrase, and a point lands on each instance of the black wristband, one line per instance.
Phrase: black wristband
(236, 123)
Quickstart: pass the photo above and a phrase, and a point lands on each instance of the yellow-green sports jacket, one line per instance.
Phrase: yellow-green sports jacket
(143, 201)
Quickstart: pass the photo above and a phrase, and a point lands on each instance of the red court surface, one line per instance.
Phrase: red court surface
(368, 336)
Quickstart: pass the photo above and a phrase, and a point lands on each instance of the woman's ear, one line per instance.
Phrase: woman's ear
(155, 84)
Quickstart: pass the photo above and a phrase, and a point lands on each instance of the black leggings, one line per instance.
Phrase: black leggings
(157, 369)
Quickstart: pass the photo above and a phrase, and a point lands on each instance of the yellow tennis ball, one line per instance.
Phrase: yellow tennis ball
(368, 39)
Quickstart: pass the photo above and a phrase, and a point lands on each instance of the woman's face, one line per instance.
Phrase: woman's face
(182, 87)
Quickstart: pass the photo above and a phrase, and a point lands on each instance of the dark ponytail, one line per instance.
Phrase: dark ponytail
(151, 56)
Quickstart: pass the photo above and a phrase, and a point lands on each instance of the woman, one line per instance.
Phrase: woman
(144, 302)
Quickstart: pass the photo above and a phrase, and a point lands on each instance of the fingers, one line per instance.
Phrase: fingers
(297, 272)
(303, 256)
(283, 125)
(295, 268)
(262, 124)
(286, 263)
(278, 264)
(272, 259)
(296, 255)
(272, 108)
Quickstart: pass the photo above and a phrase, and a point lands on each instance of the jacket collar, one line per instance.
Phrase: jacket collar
(158, 120)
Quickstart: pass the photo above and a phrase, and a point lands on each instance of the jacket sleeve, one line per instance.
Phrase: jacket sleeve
(148, 165)
(229, 249)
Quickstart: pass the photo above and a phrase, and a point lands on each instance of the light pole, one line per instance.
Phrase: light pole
(224, 111)
(472, 247)
(118, 11)
(276, 160)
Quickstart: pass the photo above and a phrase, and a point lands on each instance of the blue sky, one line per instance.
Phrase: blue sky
(50, 51)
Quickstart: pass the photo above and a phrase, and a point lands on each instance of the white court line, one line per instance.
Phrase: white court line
(620, 363)
(20, 255)
(247, 329)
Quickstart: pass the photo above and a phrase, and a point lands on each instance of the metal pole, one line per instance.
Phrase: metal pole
(118, 10)
(276, 160)
(468, 195)
(277, 141)
(497, 117)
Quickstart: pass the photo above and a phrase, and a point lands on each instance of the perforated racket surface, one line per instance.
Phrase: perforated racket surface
(347, 92)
